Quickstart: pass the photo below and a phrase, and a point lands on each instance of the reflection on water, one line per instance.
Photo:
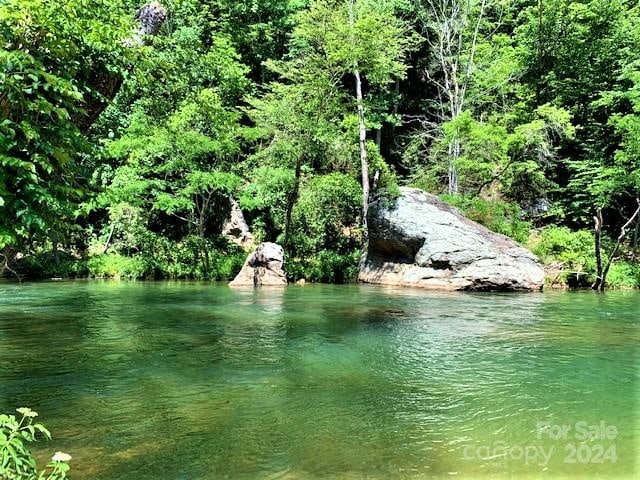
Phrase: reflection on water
(198, 381)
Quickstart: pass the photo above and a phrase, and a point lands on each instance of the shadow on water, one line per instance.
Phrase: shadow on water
(193, 380)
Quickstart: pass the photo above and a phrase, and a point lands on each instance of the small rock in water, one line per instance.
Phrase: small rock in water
(263, 267)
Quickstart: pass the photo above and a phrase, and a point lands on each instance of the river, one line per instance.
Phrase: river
(187, 380)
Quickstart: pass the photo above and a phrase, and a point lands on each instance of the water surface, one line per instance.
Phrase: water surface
(198, 381)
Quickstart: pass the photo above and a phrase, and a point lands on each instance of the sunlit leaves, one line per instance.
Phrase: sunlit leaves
(50, 55)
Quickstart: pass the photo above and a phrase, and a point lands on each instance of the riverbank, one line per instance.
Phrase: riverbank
(567, 264)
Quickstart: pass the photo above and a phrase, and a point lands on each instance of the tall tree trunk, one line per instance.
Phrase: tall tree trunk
(54, 249)
(447, 38)
(539, 53)
(106, 245)
(636, 238)
(598, 249)
(205, 253)
(364, 163)
(396, 106)
(454, 155)
(623, 233)
(202, 217)
(293, 197)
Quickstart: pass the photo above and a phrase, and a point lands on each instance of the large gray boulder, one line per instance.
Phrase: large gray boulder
(420, 241)
(264, 267)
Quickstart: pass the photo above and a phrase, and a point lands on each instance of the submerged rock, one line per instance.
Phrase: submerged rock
(420, 241)
(264, 267)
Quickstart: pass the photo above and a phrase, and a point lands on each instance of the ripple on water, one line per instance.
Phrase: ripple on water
(200, 381)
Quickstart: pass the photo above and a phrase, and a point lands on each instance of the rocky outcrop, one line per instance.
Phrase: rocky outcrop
(264, 267)
(150, 18)
(420, 241)
(235, 228)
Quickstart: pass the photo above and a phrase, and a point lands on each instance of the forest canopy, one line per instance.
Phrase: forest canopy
(123, 148)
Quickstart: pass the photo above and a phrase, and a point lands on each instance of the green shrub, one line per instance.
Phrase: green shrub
(572, 251)
(48, 265)
(158, 257)
(226, 266)
(623, 274)
(325, 266)
(185, 259)
(387, 183)
(328, 206)
(115, 265)
(16, 460)
(181, 259)
(325, 236)
(497, 215)
(265, 199)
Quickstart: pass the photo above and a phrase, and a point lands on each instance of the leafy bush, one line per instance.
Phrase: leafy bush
(325, 266)
(184, 258)
(497, 215)
(265, 199)
(624, 275)
(227, 266)
(387, 182)
(46, 265)
(571, 251)
(328, 205)
(115, 265)
(16, 460)
(179, 259)
(326, 237)
(156, 257)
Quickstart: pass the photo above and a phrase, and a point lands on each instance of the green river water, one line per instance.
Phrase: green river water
(164, 381)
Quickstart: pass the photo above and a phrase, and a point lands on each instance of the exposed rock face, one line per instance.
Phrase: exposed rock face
(236, 228)
(420, 241)
(151, 17)
(262, 268)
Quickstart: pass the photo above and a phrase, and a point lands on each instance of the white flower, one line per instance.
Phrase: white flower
(26, 412)
(61, 457)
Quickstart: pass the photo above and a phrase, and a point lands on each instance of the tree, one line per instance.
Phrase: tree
(181, 167)
(260, 30)
(498, 158)
(302, 119)
(602, 272)
(580, 56)
(56, 72)
(360, 38)
(452, 31)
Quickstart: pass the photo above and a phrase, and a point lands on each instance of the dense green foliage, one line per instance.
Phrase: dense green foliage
(121, 158)
(569, 255)
(57, 62)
